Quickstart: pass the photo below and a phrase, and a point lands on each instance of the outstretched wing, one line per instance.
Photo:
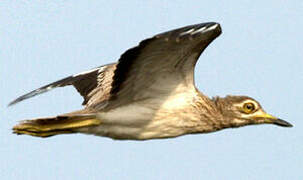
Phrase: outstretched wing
(161, 65)
(158, 66)
(94, 85)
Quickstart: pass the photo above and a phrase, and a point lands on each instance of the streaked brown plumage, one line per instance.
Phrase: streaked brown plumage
(149, 93)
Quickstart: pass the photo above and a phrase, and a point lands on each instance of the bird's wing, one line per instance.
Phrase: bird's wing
(160, 65)
(156, 66)
(90, 84)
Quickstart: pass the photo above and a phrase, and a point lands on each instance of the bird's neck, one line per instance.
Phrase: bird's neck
(209, 115)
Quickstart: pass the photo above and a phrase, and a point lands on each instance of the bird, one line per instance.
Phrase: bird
(149, 93)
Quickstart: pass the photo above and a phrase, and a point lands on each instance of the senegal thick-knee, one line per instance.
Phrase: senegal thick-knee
(149, 93)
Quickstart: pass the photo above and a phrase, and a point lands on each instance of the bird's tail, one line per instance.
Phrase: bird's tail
(49, 126)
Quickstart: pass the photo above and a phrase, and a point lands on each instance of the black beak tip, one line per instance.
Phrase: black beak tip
(281, 122)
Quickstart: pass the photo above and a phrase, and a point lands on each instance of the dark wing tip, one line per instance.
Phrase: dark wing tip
(28, 95)
(211, 28)
(13, 102)
(84, 82)
(63, 82)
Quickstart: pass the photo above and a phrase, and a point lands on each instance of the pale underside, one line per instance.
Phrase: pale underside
(160, 117)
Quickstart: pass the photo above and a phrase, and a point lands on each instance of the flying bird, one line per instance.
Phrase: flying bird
(149, 94)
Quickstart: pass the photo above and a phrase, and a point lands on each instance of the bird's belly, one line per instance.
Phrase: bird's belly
(137, 122)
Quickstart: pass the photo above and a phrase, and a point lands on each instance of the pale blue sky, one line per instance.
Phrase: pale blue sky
(259, 54)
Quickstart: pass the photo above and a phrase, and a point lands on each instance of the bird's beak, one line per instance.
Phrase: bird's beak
(281, 122)
(274, 120)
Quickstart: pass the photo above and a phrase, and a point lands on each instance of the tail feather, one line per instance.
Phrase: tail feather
(42, 134)
(45, 127)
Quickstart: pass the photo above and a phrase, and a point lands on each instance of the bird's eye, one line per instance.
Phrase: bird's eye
(248, 107)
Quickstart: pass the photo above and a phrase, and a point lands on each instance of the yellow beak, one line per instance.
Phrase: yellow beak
(274, 120)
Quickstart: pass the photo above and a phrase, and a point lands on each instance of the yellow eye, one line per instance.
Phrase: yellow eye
(248, 108)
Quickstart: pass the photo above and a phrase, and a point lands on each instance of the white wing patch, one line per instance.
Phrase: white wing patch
(205, 29)
(201, 30)
(194, 31)
(187, 32)
(211, 27)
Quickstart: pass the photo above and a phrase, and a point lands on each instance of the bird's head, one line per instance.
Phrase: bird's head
(242, 110)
